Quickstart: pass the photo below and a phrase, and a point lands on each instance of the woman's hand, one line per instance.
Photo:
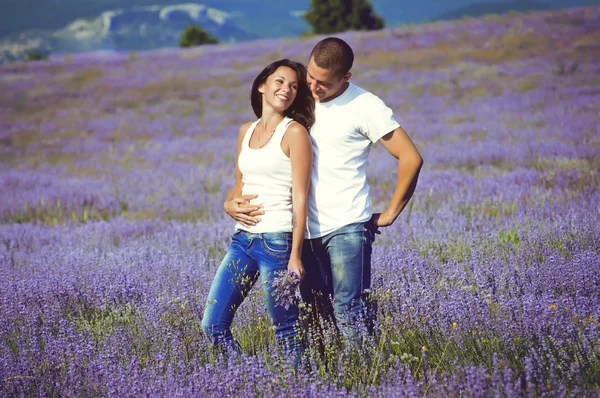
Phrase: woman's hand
(295, 265)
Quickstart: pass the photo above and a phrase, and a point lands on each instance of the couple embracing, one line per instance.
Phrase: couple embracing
(301, 199)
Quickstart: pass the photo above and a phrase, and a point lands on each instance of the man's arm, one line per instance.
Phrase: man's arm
(399, 144)
(237, 205)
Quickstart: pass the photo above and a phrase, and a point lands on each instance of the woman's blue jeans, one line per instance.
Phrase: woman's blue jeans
(249, 256)
(338, 266)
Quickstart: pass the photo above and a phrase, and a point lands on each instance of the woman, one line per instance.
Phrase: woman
(273, 174)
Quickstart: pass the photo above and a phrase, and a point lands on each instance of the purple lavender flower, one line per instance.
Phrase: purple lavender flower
(113, 169)
(286, 288)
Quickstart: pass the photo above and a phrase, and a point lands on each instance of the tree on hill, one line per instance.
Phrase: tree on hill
(332, 16)
(194, 35)
(36, 55)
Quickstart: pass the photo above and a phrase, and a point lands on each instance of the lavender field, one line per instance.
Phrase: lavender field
(114, 168)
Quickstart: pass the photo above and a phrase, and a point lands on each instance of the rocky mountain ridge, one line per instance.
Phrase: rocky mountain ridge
(126, 29)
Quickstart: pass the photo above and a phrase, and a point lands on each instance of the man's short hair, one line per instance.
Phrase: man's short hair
(333, 54)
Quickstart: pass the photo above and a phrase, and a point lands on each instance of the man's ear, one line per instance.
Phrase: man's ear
(346, 77)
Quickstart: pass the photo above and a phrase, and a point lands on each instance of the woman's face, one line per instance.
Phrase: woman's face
(280, 89)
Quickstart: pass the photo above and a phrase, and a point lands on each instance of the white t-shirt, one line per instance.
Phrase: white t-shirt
(341, 137)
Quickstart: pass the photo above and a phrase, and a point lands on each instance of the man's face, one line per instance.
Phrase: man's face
(324, 85)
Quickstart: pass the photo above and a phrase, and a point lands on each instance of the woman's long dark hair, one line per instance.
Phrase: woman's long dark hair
(302, 109)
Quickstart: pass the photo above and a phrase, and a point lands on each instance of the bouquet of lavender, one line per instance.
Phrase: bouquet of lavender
(286, 288)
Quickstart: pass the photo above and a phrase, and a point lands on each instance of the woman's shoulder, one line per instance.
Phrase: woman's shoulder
(244, 128)
(295, 128)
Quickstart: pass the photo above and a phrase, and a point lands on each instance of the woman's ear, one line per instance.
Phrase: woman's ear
(261, 88)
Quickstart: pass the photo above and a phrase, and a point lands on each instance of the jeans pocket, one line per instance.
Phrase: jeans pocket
(278, 246)
(236, 236)
(369, 231)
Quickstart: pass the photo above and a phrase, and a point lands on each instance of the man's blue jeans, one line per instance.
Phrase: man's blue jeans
(338, 266)
(248, 256)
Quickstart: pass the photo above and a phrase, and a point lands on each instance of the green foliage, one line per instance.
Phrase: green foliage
(56, 213)
(194, 35)
(563, 69)
(36, 56)
(511, 236)
(331, 16)
(103, 321)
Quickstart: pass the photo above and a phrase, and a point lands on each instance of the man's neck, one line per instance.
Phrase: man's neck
(342, 91)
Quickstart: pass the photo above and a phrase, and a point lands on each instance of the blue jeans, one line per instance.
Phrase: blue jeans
(338, 266)
(249, 256)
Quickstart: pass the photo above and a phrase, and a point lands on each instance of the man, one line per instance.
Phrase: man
(341, 225)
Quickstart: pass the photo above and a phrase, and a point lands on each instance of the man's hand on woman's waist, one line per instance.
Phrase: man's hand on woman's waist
(240, 209)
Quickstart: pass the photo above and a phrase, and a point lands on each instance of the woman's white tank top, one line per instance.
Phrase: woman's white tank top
(267, 172)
